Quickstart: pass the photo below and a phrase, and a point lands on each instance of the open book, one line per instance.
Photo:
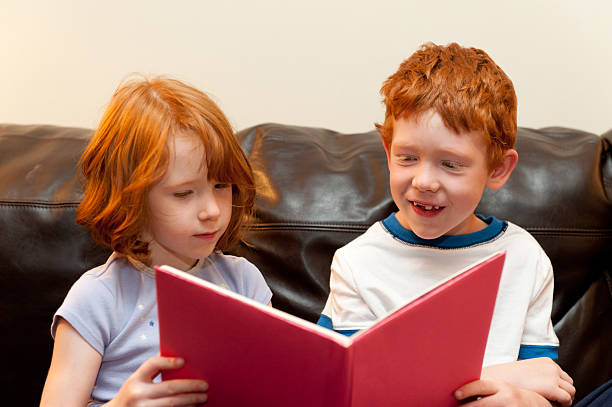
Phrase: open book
(254, 355)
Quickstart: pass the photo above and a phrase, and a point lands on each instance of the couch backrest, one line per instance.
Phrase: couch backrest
(317, 190)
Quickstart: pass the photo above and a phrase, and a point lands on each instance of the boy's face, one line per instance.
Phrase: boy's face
(189, 212)
(436, 176)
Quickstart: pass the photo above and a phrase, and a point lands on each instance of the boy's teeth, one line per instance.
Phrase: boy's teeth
(427, 207)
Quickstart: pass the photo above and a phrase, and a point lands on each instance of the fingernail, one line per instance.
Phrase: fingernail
(204, 386)
(458, 394)
(178, 361)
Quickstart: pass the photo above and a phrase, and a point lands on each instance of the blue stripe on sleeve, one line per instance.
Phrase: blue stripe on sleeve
(535, 351)
(326, 322)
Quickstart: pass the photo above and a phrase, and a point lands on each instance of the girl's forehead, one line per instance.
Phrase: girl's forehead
(187, 157)
(185, 141)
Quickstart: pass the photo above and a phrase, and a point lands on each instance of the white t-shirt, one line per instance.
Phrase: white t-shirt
(114, 308)
(386, 266)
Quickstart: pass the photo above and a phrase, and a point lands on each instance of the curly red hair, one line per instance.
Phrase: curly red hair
(129, 153)
(463, 85)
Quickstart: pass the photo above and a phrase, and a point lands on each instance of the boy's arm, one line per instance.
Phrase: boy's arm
(493, 393)
(539, 338)
(540, 375)
(344, 304)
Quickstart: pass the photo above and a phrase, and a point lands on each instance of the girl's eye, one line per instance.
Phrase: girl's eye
(182, 194)
(222, 185)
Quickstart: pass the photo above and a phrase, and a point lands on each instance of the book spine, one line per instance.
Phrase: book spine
(338, 371)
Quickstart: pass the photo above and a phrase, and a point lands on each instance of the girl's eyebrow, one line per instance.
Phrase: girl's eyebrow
(181, 183)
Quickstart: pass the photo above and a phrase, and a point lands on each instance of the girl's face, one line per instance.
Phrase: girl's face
(189, 212)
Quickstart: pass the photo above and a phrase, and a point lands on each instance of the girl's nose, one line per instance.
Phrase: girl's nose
(209, 207)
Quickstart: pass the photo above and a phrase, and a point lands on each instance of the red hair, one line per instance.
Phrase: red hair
(129, 153)
(463, 85)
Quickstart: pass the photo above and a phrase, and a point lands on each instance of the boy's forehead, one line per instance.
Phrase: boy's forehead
(430, 122)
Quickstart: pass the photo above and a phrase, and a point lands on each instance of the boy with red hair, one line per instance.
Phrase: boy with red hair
(449, 132)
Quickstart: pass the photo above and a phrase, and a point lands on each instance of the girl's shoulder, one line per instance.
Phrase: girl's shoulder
(117, 271)
(229, 267)
(235, 273)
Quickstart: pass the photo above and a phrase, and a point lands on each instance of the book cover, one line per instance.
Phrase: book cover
(255, 355)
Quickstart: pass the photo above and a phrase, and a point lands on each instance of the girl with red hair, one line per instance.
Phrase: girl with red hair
(166, 182)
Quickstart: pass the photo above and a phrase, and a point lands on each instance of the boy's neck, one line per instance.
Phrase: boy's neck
(492, 228)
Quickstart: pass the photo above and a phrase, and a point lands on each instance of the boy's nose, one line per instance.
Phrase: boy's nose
(425, 180)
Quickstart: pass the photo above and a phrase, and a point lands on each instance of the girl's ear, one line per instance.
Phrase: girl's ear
(501, 173)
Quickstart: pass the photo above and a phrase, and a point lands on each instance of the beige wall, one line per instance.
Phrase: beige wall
(314, 62)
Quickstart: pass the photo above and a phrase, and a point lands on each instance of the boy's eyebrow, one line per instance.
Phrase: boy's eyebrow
(455, 153)
(451, 153)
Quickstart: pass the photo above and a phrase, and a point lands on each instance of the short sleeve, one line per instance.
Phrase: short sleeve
(254, 284)
(538, 333)
(345, 306)
(88, 308)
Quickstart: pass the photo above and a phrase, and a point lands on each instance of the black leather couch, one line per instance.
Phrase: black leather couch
(317, 190)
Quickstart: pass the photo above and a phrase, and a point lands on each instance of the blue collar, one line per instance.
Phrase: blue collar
(494, 228)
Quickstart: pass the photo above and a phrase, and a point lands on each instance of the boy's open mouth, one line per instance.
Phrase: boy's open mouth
(426, 209)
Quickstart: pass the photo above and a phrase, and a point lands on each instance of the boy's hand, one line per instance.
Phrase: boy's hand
(494, 393)
(139, 389)
(541, 375)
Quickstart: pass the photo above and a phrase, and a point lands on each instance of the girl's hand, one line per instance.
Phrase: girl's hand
(140, 391)
(541, 375)
(493, 393)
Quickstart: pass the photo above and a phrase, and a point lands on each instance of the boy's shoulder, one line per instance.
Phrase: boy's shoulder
(515, 234)
(373, 236)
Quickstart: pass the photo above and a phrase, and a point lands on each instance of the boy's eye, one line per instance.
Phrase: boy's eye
(222, 185)
(451, 165)
(407, 158)
(183, 194)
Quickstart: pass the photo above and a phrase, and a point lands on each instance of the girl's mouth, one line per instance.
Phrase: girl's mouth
(206, 236)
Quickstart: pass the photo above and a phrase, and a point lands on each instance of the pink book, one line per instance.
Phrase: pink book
(254, 355)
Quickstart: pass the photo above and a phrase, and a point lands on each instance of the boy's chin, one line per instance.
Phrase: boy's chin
(428, 236)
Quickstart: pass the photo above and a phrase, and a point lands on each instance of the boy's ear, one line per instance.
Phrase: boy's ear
(501, 173)
(387, 147)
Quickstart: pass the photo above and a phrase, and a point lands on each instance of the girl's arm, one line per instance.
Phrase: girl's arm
(75, 365)
(73, 371)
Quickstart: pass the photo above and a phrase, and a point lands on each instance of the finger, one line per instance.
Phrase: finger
(172, 388)
(149, 369)
(476, 388)
(568, 388)
(488, 401)
(180, 400)
(566, 377)
(562, 396)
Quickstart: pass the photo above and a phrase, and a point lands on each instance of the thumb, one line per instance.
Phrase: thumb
(151, 368)
(477, 388)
